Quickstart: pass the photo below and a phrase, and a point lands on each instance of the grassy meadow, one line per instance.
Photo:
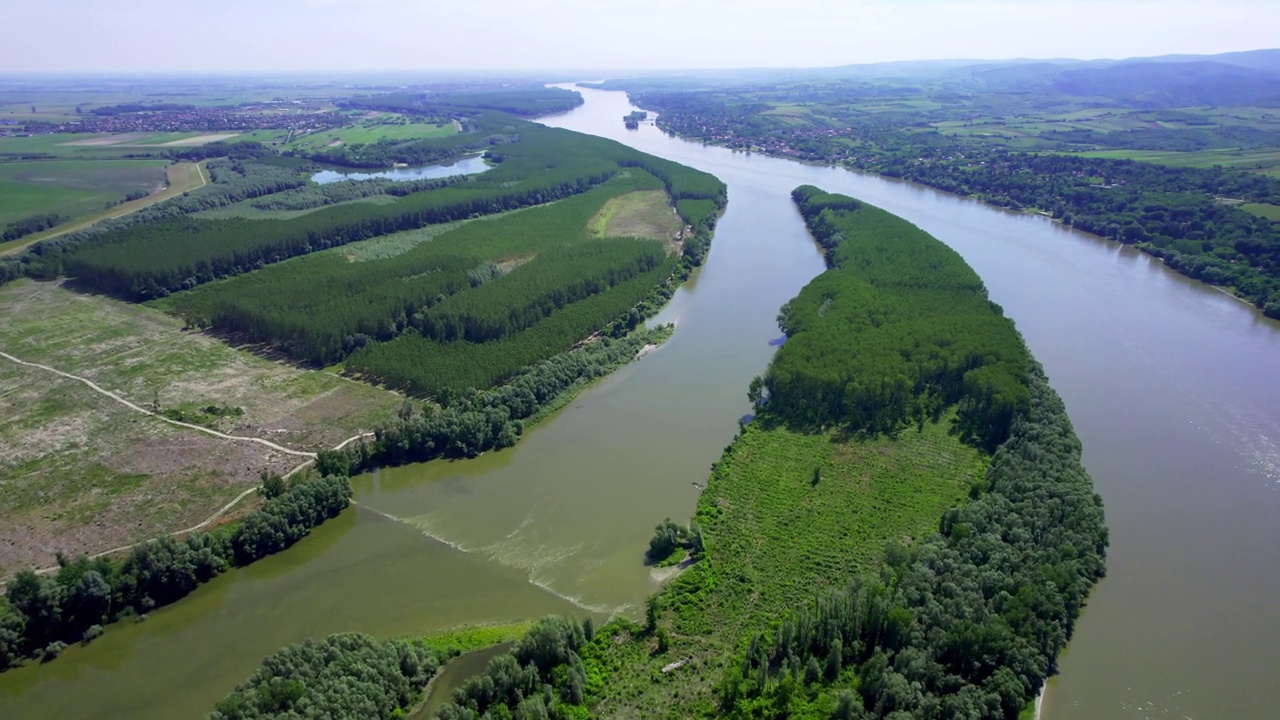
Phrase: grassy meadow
(786, 517)
(72, 187)
(388, 127)
(89, 474)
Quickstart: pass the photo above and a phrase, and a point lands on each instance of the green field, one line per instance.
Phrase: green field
(776, 540)
(1264, 159)
(244, 209)
(868, 491)
(388, 127)
(1270, 212)
(72, 187)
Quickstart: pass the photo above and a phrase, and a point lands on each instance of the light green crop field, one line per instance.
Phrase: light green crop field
(389, 128)
(1263, 159)
(72, 187)
(1268, 211)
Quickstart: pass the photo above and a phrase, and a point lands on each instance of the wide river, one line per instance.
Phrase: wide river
(1172, 386)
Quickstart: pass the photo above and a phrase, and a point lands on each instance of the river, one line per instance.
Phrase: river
(1171, 385)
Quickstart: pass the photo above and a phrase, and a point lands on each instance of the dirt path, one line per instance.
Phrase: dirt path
(180, 181)
(137, 408)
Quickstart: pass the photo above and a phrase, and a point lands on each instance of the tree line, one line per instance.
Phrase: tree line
(31, 225)
(469, 422)
(42, 613)
(542, 677)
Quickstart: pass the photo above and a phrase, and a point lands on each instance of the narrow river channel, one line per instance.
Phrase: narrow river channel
(1172, 387)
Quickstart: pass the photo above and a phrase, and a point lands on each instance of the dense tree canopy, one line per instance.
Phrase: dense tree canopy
(347, 675)
(897, 330)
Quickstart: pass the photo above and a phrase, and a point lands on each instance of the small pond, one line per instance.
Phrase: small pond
(466, 166)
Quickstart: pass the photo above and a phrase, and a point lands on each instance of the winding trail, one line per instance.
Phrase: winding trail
(310, 456)
(138, 408)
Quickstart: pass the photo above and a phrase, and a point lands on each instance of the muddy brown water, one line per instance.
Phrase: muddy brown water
(1172, 387)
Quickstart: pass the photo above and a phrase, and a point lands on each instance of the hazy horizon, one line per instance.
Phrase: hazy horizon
(355, 36)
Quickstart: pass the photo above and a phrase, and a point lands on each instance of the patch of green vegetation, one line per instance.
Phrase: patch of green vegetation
(72, 187)
(644, 213)
(245, 210)
(383, 127)
(788, 515)
(1262, 159)
(1266, 210)
(205, 416)
(91, 486)
(476, 637)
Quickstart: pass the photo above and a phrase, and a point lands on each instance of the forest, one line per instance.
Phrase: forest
(294, 305)
(144, 260)
(42, 613)
(896, 331)
(967, 624)
(527, 101)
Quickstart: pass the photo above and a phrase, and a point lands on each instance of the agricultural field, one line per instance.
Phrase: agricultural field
(1263, 159)
(72, 188)
(89, 474)
(181, 177)
(1266, 210)
(383, 126)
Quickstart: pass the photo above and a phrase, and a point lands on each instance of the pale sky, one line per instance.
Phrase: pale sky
(350, 35)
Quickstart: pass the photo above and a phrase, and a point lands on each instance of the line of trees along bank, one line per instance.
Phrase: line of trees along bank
(468, 423)
(42, 613)
(897, 330)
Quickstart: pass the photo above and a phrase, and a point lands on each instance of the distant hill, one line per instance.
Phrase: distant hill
(1173, 84)
(1265, 60)
(1238, 78)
